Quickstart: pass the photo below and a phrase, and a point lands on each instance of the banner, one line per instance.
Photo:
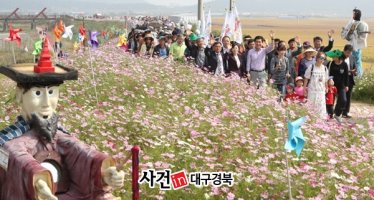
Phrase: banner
(238, 35)
(228, 26)
(207, 28)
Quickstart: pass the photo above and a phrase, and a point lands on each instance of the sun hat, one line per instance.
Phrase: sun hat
(148, 35)
(310, 49)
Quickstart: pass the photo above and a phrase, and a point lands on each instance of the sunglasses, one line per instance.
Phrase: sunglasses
(322, 58)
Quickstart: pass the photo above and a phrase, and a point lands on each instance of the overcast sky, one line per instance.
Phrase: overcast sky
(325, 7)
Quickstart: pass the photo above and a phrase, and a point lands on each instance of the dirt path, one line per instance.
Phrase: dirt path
(362, 110)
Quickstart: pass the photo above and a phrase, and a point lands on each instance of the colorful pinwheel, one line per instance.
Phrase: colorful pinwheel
(58, 33)
(76, 46)
(82, 31)
(13, 35)
(93, 39)
(38, 45)
(296, 139)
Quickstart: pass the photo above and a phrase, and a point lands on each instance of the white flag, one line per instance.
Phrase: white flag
(229, 25)
(223, 30)
(68, 32)
(208, 28)
(202, 25)
(238, 35)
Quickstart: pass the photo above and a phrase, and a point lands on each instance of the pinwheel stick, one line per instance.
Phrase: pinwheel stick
(93, 76)
(289, 178)
(56, 51)
(287, 165)
(14, 55)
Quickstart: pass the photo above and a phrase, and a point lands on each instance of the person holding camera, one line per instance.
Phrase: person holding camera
(280, 69)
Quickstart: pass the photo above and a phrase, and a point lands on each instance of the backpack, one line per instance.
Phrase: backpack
(326, 69)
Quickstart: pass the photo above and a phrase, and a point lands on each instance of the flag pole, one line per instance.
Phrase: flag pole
(200, 10)
(231, 5)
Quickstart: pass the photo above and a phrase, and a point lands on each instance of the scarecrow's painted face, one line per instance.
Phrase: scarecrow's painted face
(39, 100)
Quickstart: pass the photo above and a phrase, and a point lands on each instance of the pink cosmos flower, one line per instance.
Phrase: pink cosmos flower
(230, 196)
(371, 193)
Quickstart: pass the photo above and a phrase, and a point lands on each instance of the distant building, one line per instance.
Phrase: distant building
(98, 16)
(183, 18)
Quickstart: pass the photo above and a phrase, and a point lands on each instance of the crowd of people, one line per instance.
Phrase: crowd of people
(300, 71)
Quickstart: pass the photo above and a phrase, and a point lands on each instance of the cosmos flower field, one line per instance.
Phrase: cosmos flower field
(185, 119)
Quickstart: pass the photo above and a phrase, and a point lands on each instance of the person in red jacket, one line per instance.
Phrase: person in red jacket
(330, 97)
(291, 95)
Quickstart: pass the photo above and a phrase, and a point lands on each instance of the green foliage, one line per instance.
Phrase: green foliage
(364, 88)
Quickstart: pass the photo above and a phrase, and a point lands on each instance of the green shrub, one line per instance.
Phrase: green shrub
(364, 89)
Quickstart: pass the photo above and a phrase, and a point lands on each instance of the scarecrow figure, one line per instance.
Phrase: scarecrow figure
(42, 160)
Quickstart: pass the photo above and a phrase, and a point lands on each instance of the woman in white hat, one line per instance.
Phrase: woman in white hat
(148, 46)
(317, 76)
(308, 60)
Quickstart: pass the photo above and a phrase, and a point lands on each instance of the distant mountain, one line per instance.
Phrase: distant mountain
(253, 7)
